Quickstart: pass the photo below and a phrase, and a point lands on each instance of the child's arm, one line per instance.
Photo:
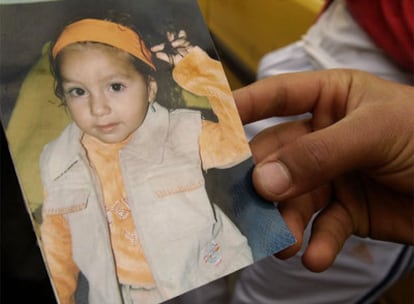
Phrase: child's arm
(222, 144)
(56, 241)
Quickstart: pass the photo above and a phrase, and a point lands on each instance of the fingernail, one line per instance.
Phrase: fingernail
(274, 177)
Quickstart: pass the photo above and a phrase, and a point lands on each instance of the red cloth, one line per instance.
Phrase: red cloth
(390, 24)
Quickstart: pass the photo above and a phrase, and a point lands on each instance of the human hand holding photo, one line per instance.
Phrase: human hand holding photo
(352, 161)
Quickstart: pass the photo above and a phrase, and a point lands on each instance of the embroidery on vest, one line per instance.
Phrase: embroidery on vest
(120, 209)
(132, 237)
(212, 253)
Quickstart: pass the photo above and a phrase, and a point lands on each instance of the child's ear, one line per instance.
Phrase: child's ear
(152, 89)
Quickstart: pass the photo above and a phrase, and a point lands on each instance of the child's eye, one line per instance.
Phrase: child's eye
(116, 87)
(76, 92)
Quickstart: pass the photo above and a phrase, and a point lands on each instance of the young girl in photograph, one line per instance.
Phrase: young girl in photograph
(125, 201)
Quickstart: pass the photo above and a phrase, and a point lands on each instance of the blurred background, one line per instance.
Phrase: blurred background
(244, 31)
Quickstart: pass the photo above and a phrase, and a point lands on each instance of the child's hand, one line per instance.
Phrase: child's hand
(174, 50)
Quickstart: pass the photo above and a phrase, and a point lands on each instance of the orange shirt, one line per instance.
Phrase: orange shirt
(131, 265)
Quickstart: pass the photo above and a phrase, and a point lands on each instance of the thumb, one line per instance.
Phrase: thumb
(316, 158)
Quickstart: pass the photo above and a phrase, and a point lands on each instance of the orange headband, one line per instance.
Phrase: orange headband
(114, 34)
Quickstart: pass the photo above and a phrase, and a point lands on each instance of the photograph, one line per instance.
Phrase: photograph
(131, 157)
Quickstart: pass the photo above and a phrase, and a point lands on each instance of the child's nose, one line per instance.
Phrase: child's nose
(99, 105)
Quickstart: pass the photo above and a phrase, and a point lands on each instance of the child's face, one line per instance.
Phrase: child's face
(106, 96)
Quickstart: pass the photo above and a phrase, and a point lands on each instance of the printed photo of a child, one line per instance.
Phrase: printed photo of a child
(146, 191)
(125, 197)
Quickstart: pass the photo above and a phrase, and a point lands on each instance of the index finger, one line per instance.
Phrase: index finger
(158, 47)
(292, 94)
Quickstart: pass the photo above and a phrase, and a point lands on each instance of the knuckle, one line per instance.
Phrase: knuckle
(318, 152)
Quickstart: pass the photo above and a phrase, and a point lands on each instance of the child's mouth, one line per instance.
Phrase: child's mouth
(107, 127)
